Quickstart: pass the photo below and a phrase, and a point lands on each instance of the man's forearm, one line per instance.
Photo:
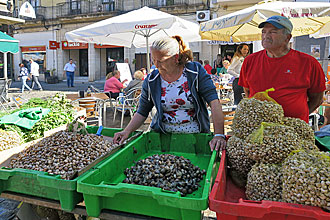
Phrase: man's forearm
(247, 92)
(314, 101)
(313, 105)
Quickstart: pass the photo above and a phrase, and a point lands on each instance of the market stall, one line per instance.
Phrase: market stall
(262, 173)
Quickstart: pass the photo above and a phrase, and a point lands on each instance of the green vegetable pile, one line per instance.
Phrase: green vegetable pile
(61, 113)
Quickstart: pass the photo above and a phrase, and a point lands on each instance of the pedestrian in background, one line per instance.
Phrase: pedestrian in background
(24, 75)
(69, 69)
(208, 67)
(217, 64)
(235, 68)
(35, 74)
(225, 67)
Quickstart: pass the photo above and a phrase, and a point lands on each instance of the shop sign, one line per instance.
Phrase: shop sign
(217, 42)
(53, 45)
(144, 26)
(105, 46)
(33, 49)
(73, 45)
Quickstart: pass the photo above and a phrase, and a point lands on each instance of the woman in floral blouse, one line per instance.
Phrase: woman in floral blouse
(179, 89)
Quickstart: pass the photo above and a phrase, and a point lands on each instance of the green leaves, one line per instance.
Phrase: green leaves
(61, 114)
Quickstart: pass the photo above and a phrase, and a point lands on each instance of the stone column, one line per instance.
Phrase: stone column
(91, 62)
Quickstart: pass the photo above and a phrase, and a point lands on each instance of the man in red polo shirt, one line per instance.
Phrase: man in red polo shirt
(298, 78)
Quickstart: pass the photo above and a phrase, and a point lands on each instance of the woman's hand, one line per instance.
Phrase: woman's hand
(120, 137)
(217, 143)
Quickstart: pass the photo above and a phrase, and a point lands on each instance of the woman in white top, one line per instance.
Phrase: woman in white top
(235, 68)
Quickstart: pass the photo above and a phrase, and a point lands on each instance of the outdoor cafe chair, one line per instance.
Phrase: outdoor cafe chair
(110, 100)
(5, 104)
(94, 108)
(127, 102)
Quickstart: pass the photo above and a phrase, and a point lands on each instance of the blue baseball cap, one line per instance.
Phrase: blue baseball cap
(279, 22)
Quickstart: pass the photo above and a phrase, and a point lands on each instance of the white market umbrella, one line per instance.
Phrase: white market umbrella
(306, 17)
(139, 28)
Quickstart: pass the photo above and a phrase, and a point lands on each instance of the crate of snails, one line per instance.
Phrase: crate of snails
(159, 175)
(50, 167)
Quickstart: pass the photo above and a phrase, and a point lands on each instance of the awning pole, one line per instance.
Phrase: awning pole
(5, 66)
(148, 58)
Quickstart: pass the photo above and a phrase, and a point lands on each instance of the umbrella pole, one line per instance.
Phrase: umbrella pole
(148, 57)
(5, 66)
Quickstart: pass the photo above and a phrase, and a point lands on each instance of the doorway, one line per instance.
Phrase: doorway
(83, 62)
(114, 55)
(140, 61)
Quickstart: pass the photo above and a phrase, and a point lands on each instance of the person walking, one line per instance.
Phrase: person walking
(24, 74)
(69, 69)
(35, 74)
(235, 68)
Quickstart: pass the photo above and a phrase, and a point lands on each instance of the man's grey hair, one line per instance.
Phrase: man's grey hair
(166, 44)
(286, 31)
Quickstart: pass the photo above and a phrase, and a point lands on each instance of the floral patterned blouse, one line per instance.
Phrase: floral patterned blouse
(178, 108)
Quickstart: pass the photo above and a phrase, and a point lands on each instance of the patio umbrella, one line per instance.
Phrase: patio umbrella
(323, 32)
(139, 28)
(7, 44)
(306, 17)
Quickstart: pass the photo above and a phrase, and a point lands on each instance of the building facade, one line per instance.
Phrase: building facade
(43, 39)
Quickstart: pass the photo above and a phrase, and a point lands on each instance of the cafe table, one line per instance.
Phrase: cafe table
(94, 96)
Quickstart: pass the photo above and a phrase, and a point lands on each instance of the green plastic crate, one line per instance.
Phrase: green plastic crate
(44, 185)
(102, 188)
(324, 141)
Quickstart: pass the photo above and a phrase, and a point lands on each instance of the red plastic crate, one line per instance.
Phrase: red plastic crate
(230, 203)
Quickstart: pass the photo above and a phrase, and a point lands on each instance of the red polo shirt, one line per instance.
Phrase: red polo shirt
(292, 76)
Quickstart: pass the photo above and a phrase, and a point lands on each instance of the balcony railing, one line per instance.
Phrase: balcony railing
(87, 7)
(84, 7)
(162, 3)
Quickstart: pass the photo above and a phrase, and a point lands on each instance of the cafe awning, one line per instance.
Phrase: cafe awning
(8, 44)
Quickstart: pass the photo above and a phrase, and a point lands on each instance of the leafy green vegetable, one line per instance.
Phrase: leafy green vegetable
(61, 114)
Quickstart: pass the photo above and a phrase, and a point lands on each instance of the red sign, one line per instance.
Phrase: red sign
(105, 46)
(33, 49)
(144, 26)
(73, 45)
(53, 45)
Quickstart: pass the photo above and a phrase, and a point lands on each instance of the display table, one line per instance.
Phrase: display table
(79, 209)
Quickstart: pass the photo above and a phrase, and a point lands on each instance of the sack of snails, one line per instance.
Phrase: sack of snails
(264, 182)
(271, 143)
(252, 111)
(306, 178)
(263, 96)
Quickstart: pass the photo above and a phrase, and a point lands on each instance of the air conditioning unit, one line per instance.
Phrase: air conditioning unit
(203, 15)
(99, 8)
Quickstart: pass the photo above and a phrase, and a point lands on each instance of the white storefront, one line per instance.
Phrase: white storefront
(36, 46)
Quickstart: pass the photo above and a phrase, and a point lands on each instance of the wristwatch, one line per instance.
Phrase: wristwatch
(220, 135)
